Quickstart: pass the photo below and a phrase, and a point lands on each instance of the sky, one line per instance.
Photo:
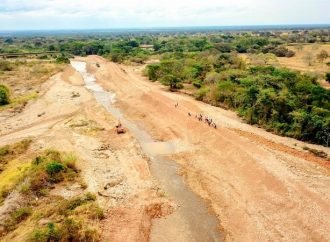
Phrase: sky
(109, 14)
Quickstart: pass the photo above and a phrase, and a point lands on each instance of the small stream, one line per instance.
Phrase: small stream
(192, 220)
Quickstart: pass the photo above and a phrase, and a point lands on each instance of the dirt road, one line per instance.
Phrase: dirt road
(262, 187)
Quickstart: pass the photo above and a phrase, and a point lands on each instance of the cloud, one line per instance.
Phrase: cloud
(60, 14)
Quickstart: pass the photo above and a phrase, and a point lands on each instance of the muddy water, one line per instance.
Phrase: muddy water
(192, 220)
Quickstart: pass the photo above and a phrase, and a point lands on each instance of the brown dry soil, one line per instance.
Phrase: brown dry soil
(299, 62)
(261, 187)
(67, 117)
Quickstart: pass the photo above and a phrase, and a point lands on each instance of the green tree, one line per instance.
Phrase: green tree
(171, 81)
(153, 72)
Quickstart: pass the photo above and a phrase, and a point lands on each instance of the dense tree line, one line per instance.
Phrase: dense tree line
(280, 100)
(121, 47)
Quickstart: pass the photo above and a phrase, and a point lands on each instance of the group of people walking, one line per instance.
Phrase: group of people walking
(205, 119)
(201, 118)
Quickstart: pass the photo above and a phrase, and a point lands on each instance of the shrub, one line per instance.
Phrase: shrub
(62, 60)
(54, 170)
(50, 233)
(153, 71)
(201, 93)
(70, 230)
(327, 77)
(21, 214)
(69, 161)
(53, 154)
(54, 167)
(50, 168)
(4, 150)
(73, 203)
(39, 181)
(5, 66)
(197, 84)
(4, 95)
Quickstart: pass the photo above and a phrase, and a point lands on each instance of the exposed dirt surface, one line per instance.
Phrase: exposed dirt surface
(262, 187)
(67, 117)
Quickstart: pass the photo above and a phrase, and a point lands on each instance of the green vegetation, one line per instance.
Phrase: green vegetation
(73, 219)
(62, 60)
(280, 100)
(50, 168)
(327, 77)
(16, 217)
(10, 152)
(212, 66)
(4, 95)
(5, 66)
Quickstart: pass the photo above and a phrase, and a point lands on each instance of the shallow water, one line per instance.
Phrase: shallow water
(192, 220)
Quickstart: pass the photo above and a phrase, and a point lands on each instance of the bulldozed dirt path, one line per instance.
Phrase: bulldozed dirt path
(259, 191)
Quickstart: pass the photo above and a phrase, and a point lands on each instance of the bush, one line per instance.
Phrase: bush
(327, 77)
(5, 66)
(201, 93)
(62, 60)
(72, 204)
(4, 95)
(54, 167)
(153, 72)
(38, 182)
(69, 161)
(50, 168)
(21, 214)
(197, 84)
(50, 233)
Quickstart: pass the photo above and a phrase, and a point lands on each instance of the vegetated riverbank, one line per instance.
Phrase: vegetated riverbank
(280, 100)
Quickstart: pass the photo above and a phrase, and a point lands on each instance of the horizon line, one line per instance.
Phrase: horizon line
(169, 27)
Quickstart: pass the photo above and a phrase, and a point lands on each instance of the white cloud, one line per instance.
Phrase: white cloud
(59, 14)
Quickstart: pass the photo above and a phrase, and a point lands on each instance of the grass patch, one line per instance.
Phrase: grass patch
(50, 168)
(76, 220)
(20, 101)
(9, 152)
(49, 233)
(12, 176)
(16, 217)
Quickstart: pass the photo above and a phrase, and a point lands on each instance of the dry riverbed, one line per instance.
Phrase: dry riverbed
(171, 177)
